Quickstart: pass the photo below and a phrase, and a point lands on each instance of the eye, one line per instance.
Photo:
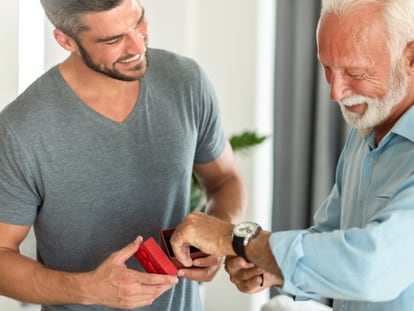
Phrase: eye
(113, 41)
(356, 75)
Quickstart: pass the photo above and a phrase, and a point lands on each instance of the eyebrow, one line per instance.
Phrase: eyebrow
(111, 38)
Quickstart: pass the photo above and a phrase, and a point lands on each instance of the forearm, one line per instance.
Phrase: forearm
(27, 280)
(229, 201)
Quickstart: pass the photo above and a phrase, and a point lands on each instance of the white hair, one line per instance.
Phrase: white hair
(398, 18)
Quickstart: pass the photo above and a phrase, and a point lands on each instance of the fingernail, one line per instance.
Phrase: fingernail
(181, 273)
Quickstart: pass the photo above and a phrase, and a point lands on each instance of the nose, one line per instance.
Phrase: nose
(136, 43)
(340, 87)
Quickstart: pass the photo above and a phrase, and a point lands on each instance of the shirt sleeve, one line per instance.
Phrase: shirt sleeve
(18, 195)
(211, 137)
(372, 262)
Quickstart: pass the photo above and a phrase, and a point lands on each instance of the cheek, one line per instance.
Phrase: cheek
(372, 87)
(107, 55)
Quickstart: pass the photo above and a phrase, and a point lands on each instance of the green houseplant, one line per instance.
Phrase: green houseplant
(239, 143)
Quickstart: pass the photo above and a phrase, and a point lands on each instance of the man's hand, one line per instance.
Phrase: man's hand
(112, 284)
(247, 277)
(209, 234)
(203, 270)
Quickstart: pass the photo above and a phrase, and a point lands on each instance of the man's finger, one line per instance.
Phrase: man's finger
(181, 251)
(128, 251)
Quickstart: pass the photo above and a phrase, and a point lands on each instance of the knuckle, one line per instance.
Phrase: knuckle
(234, 279)
(243, 287)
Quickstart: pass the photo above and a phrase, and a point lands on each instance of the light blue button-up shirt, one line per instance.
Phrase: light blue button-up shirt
(361, 250)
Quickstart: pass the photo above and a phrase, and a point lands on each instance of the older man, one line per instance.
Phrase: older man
(360, 250)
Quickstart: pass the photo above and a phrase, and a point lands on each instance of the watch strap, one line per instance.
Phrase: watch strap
(239, 247)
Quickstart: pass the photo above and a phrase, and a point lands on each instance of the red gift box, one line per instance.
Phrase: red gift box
(161, 260)
(153, 259)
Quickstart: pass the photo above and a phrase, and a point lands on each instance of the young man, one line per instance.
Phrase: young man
(100, 149)
(360, 250)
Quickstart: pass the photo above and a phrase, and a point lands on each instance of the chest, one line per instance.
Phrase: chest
(375, 180)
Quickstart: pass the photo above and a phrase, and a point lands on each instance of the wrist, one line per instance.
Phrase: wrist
(82, 287)
(257, 246)
(260, 253)
(225, 241)
(57, 287)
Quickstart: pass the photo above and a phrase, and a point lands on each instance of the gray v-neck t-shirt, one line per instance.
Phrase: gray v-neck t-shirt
(90, 185)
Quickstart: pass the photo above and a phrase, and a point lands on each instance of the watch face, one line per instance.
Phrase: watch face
(245, 229)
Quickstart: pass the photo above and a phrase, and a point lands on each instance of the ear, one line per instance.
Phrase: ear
(409, 58)
(65, 41)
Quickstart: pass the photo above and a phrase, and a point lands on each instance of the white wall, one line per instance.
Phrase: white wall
(8, 57)
(13, 61)
(231, 39)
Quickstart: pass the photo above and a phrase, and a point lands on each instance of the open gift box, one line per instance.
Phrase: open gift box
(166, 246)
(156, 259)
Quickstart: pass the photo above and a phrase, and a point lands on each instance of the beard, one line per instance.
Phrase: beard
(136, 73)
(378, 109)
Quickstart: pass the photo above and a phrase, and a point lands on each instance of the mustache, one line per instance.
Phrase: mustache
(356, 100)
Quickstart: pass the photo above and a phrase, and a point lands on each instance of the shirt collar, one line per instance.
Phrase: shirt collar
(405, 125)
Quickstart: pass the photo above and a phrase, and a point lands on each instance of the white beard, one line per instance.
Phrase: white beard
(378, 109)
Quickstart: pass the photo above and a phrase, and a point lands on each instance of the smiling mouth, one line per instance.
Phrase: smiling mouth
(356, 108)
(130, 59)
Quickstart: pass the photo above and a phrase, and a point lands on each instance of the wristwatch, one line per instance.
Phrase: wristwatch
(242, 234)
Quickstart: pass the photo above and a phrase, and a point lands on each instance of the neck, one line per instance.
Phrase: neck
(112, 98)
(385, 127)
(84, 79)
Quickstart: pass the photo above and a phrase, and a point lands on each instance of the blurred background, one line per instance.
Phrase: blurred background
(261, 57)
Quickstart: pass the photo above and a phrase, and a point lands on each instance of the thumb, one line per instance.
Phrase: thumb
(181, 251)
(128, 251)
(183, 255)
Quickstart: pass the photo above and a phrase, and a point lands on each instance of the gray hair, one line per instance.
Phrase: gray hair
(66, 15)
(398, 18)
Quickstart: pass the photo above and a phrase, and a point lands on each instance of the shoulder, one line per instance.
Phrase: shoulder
(39, 91)
(160, 56)
(162, 63)
(36, 104)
